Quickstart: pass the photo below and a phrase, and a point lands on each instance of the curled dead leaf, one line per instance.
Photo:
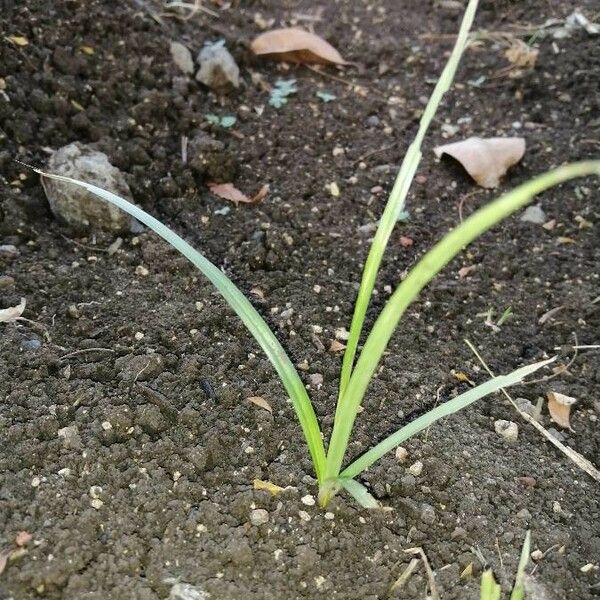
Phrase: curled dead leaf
(12, 313)
(273, 489)
(486, 160)
(23, 538)
(559, 407)
(228, 191)
(521, 55)
(293, 44)
(336, 346)
(260, 401)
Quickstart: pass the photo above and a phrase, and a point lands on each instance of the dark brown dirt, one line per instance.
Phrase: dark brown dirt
(175, 452)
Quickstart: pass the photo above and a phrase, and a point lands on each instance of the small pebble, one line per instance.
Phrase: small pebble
(316, 379)
(31, 345)
(507, 429)
(259, 516)
(141, 271)
(537, 555)
(308, 500)
(416, 469)
(6, 282)
(8, 251)
(535, 215)
(401, 454)
(218, 69)
(35, 482)
(96, 503)
(304, 515)
(373, 121)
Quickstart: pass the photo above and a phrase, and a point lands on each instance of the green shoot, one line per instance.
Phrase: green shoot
(242, 307)
(490, 590)
(394, 209)
(356, 373)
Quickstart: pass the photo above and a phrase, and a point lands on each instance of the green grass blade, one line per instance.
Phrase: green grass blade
(518, 592)
(489, 590)
(397, 198)
(242, 307)
(360, 493)
(420, 275)
(437, 413)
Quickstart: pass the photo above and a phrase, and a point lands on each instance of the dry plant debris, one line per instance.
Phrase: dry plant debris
(559, 407)
(261, 402)
(296, 45)
(12, 313)
(228, 191)
(486, 160)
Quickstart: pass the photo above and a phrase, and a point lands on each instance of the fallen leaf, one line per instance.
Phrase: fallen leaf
(273, 489)
(295, 45)
(464, 271)
(406, 242)
(260, 195)
(260, 401)
(336, 346)
(18, 40)
(460, 376)
(4, 556)
(182, 57)
(521, 55)
(23, 538)
(559, 407)
(550, 225)
(12, 313)
(486, 160)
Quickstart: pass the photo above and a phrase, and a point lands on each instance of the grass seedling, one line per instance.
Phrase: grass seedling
(490, 590)
(357, 371)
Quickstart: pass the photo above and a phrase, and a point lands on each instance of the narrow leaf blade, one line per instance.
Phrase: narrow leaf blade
(242, 307)
(360, 493)
(437, 413)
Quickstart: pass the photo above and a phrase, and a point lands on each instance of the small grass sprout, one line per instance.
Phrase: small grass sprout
(491, 590)
(332, 470)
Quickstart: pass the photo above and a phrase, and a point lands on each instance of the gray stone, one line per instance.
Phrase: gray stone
(185, 591)
(31, 345)
(70, 437)
(6, 281)
(182, 57)
(139, 368)
(259, 516)
(507, 429)
(9, 251)
(534, 214)
(218, 70)
(77, 207)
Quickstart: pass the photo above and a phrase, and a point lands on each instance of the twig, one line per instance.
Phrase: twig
(401, 581)
(430, 576)
(583, 463)
(376, 151)
(557, 373)
(76, 352)
(462, 202)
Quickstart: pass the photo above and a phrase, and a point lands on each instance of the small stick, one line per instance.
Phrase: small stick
(583, 463)
(401, 581)
(557, 373)
(430, 576)
(76, 352)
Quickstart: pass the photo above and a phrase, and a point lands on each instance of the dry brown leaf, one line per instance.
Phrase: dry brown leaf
(12, 313)
(559, 407)
(260, 401)
(293, 44)
(521, 55)
(260, 195)
(228, 191)
(4, 556)
(273, 489)
(23, 538)
(486, 160)
(464, 271)
(336, 346)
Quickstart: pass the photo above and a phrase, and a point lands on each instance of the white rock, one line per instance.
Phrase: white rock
(182, 57)
(185, 591)
(74, 205)
(401, 454)
(416, 469)
(259, 516)
(308, 500)
(316, 379)
(534, 214)
(507, 429)
(218, 70)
